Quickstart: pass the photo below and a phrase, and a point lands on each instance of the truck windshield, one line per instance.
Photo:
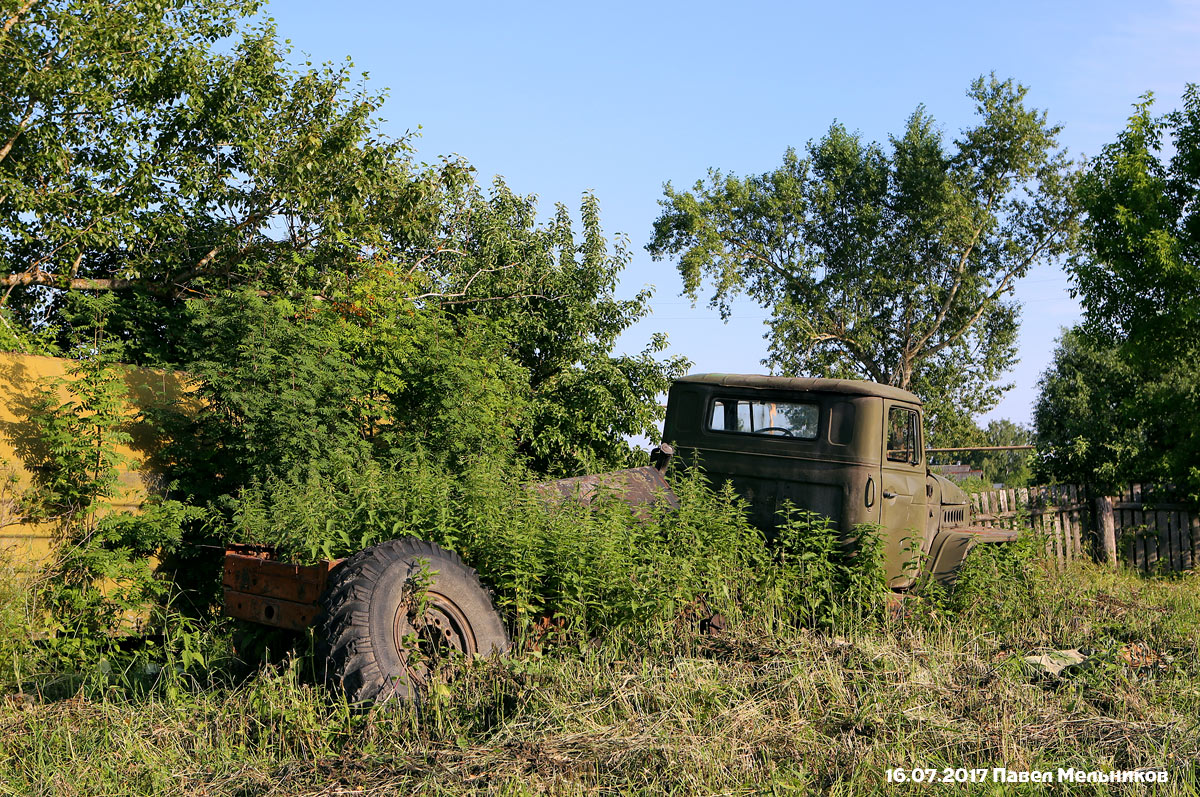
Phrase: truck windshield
(754, 416)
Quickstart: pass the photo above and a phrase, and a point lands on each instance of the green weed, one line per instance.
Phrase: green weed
(581, 571)
(20, 619)
(825, 580)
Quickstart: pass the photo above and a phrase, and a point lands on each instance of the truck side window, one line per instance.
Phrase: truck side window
(776, 418)
(902, 435)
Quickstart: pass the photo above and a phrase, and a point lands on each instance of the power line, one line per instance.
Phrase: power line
(979, 448)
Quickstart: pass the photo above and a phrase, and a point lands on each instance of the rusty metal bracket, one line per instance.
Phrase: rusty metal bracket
(262, 590)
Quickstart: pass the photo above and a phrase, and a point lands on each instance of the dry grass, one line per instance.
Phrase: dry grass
(749, 712)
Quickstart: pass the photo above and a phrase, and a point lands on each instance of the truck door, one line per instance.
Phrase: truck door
(902, 488)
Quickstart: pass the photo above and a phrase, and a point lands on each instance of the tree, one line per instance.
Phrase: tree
(1138, 270)
(1132, 366)
(1105, 418)
(253, 226)
(890, 265)
(1081, 415)
(171, 186)
(1010, 468)
(480, 372)
(136, 157)
(584, 402)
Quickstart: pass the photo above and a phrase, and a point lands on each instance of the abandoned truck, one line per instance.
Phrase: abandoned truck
(849, 450)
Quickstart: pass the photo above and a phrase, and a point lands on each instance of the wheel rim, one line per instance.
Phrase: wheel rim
(442, 632)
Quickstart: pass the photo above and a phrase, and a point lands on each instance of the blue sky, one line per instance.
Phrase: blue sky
(618, 98)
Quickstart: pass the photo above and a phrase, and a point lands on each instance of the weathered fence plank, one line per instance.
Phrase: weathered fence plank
(1147, 530)
(1174, 540)
(1106, 528)
(1185, 540)
(1194, 525)
(1150, 533)
(1126, 520)
(1079, 525)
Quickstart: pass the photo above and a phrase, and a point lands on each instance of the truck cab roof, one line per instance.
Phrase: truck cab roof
(806, 384)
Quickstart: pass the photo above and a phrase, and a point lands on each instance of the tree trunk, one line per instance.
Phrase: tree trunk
(906, 374)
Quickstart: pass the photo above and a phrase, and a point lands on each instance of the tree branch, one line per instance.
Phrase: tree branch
(465, 287)
(853, 349)
(78, 283)
(438, 251)
(253, 218)
(8, 145)
(503, 298)
(745, 250)
(958, 275)
(36, 268)
(16, 17)
(1003, 286)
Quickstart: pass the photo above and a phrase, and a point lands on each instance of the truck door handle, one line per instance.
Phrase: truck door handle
(888, 494)
(869, 497)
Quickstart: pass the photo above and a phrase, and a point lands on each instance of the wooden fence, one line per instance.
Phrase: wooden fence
(1161, 534)
(1152, 533)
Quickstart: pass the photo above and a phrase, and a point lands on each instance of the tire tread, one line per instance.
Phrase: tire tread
(346, 654)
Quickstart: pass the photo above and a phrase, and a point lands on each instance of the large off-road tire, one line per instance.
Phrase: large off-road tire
(371, 641)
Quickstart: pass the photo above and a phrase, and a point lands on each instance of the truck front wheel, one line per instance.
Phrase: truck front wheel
(392, 612)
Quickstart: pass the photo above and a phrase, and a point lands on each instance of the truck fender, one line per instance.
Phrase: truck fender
(951, 546)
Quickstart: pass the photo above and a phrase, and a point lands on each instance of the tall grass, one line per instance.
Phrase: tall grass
(821, 580)
(758, 709)
(20, 621)
(581, 571)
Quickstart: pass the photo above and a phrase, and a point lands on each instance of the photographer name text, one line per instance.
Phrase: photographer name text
(1004, 775)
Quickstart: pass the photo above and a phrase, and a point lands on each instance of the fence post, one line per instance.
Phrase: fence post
(1106, 527)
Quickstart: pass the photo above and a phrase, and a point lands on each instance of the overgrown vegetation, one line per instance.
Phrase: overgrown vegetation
(100, 579)
(577, 572)
(247, 221)
(762, 706)
(621, 678)
(245, 225)
(378, 347)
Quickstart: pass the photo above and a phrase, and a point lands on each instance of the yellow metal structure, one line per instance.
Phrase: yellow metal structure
(23, 380)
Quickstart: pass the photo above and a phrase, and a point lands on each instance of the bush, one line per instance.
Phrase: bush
(823, 580)
(1002, 586)
(100, 582)
(582, 571)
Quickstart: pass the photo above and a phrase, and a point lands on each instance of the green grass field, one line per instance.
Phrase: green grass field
(761, 708)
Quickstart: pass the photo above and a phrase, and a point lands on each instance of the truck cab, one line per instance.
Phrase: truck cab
(849, 450)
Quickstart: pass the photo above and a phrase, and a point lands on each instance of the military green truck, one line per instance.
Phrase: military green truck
(852, 451)
(849, 450)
